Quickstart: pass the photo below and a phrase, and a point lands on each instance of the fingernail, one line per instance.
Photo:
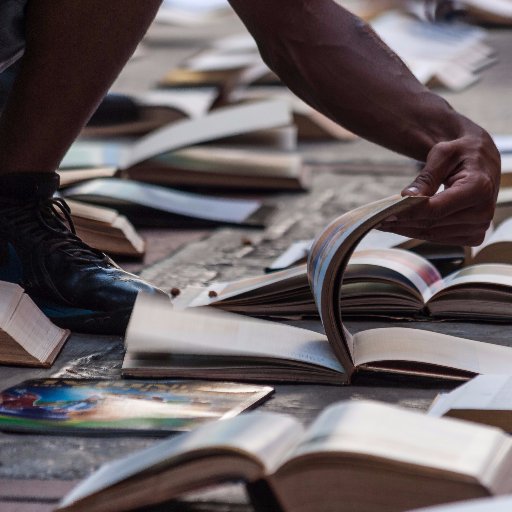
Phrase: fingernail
(413, 190)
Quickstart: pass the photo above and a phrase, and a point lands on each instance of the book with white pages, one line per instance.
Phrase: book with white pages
(450, 55)
(106, 230)
(395, 350)
(169, 155)
(365, 455)
(151, 205)
(27, 336)
(486, 399)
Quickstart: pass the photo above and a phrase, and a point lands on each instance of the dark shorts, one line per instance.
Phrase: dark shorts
(12, 31)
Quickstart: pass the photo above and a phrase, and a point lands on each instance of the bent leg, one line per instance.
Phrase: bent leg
(74, 51)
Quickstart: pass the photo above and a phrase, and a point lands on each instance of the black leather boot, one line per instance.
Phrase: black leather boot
(78, 287)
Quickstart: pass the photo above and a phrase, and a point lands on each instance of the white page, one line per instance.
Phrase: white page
(484, 392)
(419, 346)
(222, 123)
(156, 328)
(10, 296)
(265, 435)
(219, 124)
(409, 437)
(166, 200)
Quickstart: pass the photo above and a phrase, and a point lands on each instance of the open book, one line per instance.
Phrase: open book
(381, 282)
(363, 455)
(163, 342)
(27, 337)
(449, 55)
(146, 204)
(169, 156)
(106, 230)
(484, 399)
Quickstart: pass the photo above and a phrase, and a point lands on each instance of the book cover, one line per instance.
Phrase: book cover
(122, 407)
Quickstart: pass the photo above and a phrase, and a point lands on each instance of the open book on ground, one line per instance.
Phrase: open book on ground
(162, 341)
(126, 116)
(311, 124)
(27, 336)
(485, 399)
(169, 155)
(496, 248)
(378, 282)
(106, 230)
(446, 258)
(363, 455)
(233, 66)
(121, 116)
(151, 205)
(447, 54)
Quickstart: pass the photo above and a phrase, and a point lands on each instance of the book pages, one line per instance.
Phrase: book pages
(409, 438)
(419, 346)
(328, 260)
(222, 123)
(216, 333)
(484, 392)
(264, 437)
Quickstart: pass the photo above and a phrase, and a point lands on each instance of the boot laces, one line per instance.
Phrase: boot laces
(48, 221)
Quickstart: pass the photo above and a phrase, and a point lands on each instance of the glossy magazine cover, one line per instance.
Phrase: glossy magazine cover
(131, 407)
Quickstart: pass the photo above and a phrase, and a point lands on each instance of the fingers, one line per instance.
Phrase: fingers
(464, 203)
(440, 162)
(456, 234)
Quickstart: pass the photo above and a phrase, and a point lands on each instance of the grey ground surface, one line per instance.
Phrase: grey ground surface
(222, 254)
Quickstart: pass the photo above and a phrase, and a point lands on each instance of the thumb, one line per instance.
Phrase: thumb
(439, 163)
(425, 184)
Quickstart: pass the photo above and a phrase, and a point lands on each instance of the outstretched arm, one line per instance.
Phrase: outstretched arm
(337, 64)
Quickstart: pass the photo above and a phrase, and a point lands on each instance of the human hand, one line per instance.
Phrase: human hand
(470, 170)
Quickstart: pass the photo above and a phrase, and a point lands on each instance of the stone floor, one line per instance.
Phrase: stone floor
(178, 258)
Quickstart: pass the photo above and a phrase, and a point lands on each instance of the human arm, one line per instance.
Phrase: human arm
(337, 64)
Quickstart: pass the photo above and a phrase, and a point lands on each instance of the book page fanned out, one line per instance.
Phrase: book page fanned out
(327, 263)
(328, 260)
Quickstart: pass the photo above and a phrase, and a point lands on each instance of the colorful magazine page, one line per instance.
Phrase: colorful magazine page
(122, 407)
